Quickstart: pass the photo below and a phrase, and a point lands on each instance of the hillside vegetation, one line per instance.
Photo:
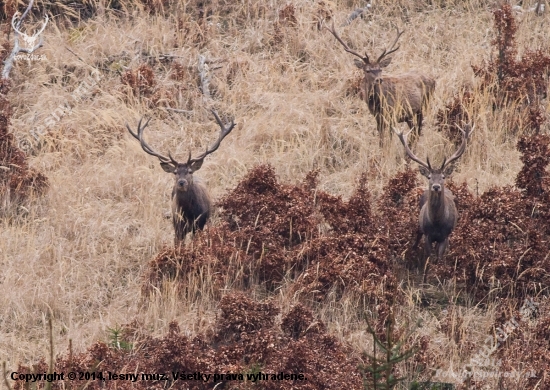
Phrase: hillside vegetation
(310, 249)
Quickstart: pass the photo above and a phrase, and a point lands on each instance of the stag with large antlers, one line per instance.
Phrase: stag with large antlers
(438, 214)
(191, 204)
(391, 99)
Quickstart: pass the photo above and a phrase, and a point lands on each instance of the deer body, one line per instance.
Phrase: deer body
(191, 203)
(190, 209)
(397, 99)
(392, 99)
(438, 213)
(438, 217)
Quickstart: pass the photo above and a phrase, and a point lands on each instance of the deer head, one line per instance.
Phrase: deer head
(436, 176)
(183, 171)
(372, 69)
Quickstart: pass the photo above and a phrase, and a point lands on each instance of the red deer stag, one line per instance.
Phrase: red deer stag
(438, 214)
(391, 99)
(191, 204)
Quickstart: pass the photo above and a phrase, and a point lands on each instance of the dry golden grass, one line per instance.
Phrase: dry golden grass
(79, 253)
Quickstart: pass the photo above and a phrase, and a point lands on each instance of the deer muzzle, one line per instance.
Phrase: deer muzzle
(182, 185)
(436, 187)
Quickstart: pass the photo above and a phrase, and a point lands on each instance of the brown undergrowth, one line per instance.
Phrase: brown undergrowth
(500, 244)
(522, 346)
(143, 85)
(514, 84)
(247, 340)
(271, 230)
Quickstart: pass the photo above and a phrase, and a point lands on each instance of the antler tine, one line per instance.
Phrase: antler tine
(392, 50)
(403, 139)
(223, 133)
(174, 162)
(146, 148)
(130, 130)
(466, 132)
(346, 47)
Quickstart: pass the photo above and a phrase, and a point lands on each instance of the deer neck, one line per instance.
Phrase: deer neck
(373, 93)
(185, 200)
(194, 200)
(371, 83)
(436, 205)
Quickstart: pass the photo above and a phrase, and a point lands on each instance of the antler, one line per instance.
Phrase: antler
(466, 132)
(146, 147)
(392, 50)
(403, 139)
(346, 48)
(223, 133)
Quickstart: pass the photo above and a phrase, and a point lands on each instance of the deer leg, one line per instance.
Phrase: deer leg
(419, 118)
(380, 128)
(181, 227)
(415, 127)
(426, 252)
(441, 248)
(410, 123)
(179, 236)
(438, 246)
(425, 262)
(427, 247)
(419, 235)
(200, 221)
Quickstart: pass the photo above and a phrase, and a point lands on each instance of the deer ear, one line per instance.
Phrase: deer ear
(168, 167)
(196, 165)
(385, 62)
(424, 171)
(359, 63)
(449, 169)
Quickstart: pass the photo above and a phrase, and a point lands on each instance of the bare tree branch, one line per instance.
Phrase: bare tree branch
(205, 79)
(178, 110)
(355, 14)
(538, 9)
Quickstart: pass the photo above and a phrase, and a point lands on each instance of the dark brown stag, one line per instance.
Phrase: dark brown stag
(392, 99)
(438, 214)
(191, 204)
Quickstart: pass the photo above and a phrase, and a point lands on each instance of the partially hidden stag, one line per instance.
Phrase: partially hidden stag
(438, 213)
(392, 98)
(191, 203)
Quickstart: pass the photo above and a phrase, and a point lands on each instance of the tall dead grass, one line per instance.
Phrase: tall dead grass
(79, 253)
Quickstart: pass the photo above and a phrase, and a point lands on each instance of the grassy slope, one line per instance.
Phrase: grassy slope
(81, 250)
